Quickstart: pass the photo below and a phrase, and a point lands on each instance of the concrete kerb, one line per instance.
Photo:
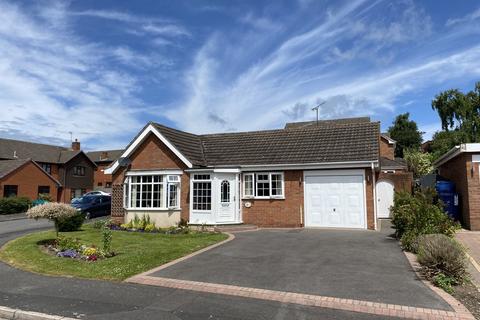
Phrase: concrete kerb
(17, 314)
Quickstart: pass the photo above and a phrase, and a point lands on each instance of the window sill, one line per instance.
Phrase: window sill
(153, 209)
(263, 198)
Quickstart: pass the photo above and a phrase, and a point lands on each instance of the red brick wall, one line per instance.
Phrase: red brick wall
(386, 149)
(287, 212)
(402, 181)
(99, 176)
(151, 154)
(28, 178)
(458, 171)
(369, 199)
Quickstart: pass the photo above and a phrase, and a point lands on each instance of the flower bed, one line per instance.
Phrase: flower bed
(64, 247)
(144, 224)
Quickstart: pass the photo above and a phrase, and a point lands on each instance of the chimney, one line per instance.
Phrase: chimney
(104, 155)
(76, 145)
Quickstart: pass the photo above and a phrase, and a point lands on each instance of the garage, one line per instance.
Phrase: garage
(335, 199)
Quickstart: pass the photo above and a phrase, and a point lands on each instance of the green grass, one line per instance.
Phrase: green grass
(135, 253)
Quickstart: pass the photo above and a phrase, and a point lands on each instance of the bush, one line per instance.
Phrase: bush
(66, 243)
(443, 259)
(419, 214)
(11, 205)
(57, 212)
(73, 223)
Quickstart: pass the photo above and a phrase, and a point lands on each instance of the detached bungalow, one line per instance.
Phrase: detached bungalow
(308, 175)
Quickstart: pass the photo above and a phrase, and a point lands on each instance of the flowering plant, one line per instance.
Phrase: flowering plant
(68, 254)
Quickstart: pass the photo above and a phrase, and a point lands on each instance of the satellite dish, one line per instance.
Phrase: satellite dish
(124, 162)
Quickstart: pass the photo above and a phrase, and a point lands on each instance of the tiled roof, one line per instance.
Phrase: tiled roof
(98, 156)
(398, 163)
(35, 151)
(190, 145)
(330, 142)
(305, 124)
(7, 166)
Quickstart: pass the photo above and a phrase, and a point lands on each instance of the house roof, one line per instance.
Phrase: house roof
(455, 151)
(98, 156)
(12, 149)
(330, 142)
(38, 152)
(8, 166)
(304, 124)
(398, 163)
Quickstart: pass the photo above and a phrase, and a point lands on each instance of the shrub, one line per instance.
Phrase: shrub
(98, 224)
(417, 215)
(12, 205)
(150, 227)
(66, 243)
(442, 258)
(73, 223)
(57, 212)
(107, 235)
(45, 197)
(89, 251)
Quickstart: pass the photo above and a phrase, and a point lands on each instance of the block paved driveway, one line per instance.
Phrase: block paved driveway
(361, 265)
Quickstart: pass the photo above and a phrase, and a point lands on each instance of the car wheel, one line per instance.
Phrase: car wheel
(88, 216)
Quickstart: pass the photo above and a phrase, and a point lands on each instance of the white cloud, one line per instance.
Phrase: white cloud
(468, 18)
(53, 82)
(138, 25)
(269, 92)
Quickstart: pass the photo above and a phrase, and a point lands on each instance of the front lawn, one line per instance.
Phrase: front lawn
(135, 252)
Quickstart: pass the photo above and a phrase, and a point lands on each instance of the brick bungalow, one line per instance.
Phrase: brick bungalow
(69, 166)
(461, 165)
(320, 175)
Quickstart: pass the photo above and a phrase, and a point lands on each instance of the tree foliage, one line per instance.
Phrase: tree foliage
(406, 133)
(461, 112)
(418, 162)
(442, 141)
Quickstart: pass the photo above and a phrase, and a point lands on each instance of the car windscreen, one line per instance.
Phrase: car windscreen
(87, 199)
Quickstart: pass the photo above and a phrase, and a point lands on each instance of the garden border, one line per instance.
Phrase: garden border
(456, 305)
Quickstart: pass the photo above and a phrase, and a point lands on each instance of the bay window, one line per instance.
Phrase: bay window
(159, 191)
(263, 185)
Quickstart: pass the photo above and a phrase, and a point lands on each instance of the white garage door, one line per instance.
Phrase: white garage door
(334, 201)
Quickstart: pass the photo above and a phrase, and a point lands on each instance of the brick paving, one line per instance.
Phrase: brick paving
(361, 306)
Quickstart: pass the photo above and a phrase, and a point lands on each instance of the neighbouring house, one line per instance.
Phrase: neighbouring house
(70, 167)
(461, 165)
(305, 175)
(103, 159)
(26, 178)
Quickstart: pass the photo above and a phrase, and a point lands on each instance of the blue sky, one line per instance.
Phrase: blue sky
(102, 69)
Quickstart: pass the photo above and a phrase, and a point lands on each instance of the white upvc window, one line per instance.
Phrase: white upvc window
(263, 185)
(152, 192)
(202, 192)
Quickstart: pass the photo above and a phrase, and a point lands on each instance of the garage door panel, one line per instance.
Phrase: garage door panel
(334, 201)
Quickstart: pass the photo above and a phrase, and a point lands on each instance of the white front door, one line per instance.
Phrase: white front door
(226, 197)
(385, 192)
(334, 201)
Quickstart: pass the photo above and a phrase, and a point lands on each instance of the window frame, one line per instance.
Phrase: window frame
(164, 198)
(254, 185)
(47, 167)
(76, 170)
(44, 186)
(14, 186)
(201, 178)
